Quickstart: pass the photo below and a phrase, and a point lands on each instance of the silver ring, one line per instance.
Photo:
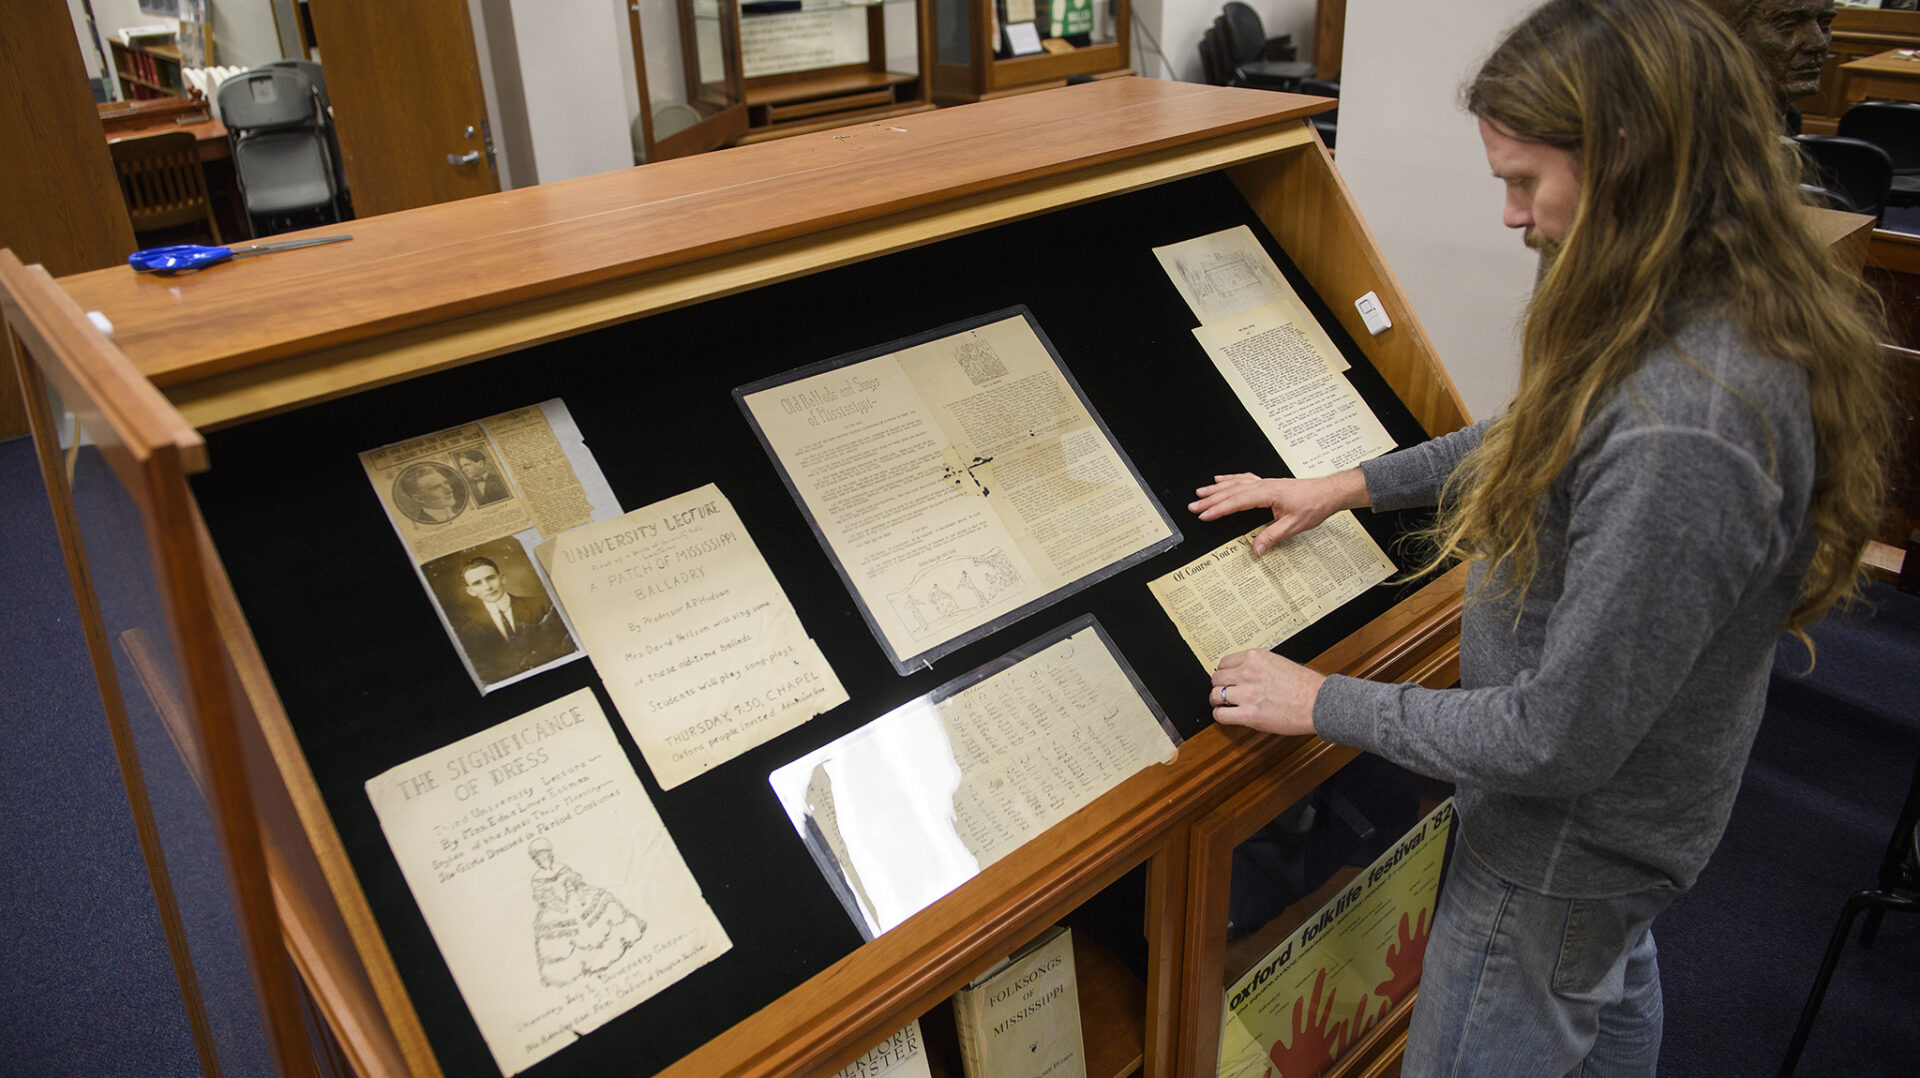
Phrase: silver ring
(1223, 695)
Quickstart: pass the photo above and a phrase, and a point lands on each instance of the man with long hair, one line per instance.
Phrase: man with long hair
(1691, 464)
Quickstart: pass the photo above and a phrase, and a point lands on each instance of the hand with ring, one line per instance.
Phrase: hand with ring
(1261, 690)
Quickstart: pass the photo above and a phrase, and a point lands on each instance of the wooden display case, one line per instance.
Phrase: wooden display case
(725, 72)
(595, 285)
(833, 64)
(971, 60)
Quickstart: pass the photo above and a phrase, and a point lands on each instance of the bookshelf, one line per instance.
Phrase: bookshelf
(147, 71)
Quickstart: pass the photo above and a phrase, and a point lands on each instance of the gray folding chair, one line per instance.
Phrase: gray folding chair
(280, 152)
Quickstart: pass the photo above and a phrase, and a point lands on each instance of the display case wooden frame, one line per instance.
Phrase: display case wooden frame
(444, 286)
(980, 76)
(1214, 837)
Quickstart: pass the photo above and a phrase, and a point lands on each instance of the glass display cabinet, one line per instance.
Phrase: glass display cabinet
(990, 48)
(721, 72)
(686, 60)
(202, 462)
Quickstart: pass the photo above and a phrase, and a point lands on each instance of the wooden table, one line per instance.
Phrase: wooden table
(1893, 75)
(137, 118)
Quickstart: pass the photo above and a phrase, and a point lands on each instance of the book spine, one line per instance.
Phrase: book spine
(968, 1021)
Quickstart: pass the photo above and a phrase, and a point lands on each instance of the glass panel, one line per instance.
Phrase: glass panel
(917, 802)
(686, 60)
(953, 30)
(1106, 20)
(1329, 910)
(903, 36)
(823, 33)
(192, 892)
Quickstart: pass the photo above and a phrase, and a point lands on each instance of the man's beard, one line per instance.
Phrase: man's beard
(1549, 252)
(1548, 249)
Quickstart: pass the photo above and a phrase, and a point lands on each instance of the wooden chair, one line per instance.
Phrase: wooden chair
(162, 182)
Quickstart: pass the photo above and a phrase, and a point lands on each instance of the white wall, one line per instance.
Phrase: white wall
(1178, 24)
(244, 33)
(90, 51)
(575, 70)
(1413, 159)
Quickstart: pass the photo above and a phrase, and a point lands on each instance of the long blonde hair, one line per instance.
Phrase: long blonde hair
(1689, 203)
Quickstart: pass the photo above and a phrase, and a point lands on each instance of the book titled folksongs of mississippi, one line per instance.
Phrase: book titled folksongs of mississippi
(1021, 1019)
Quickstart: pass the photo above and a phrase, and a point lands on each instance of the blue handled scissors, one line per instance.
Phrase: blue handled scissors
(193, 256)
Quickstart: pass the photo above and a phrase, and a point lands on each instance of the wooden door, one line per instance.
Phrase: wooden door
(62, 207)
(405, 87)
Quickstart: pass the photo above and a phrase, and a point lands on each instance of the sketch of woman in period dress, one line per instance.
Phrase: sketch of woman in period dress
(578, 928)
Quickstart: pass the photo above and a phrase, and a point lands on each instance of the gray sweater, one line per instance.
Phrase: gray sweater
(1597, 745)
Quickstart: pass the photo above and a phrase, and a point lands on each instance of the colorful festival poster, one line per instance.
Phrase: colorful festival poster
(1298, 1010)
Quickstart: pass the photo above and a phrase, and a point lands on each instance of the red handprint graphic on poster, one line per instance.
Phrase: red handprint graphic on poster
(1316, 997)
(1317, 1039)
(1404, 958)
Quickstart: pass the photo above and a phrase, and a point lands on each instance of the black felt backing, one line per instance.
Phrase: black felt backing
(370, 679)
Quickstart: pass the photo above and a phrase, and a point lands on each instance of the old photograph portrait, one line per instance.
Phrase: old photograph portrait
(499, 609)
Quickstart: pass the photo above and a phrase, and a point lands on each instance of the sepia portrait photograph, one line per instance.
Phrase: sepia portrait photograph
(501, 614)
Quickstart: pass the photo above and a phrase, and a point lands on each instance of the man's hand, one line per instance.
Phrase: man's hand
(1261, 690)
(1296, 504)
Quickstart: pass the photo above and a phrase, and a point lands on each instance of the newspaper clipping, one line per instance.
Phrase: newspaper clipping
(553, 889)
(468, 502)
(1230, 600)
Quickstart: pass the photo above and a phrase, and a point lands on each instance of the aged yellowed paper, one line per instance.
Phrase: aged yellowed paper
(1228, 273)
(1280, 364)
(434, 504)
(921, 799)
(690, 632)
(902, 1055)
(956, 480)
(550, 884)
(1229, 600)
(469, 502)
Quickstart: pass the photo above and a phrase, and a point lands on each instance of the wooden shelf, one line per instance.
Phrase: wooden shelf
(826, 86)
(147, 71)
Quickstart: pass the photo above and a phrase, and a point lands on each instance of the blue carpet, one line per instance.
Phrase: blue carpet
(89, 989)
(1822, 791)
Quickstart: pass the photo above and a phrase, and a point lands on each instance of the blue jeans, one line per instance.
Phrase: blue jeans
(1518, 983)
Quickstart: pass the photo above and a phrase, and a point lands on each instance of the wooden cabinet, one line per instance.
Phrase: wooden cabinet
(831, 64)
(973, 59)
(724, 72)
(639, 297)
